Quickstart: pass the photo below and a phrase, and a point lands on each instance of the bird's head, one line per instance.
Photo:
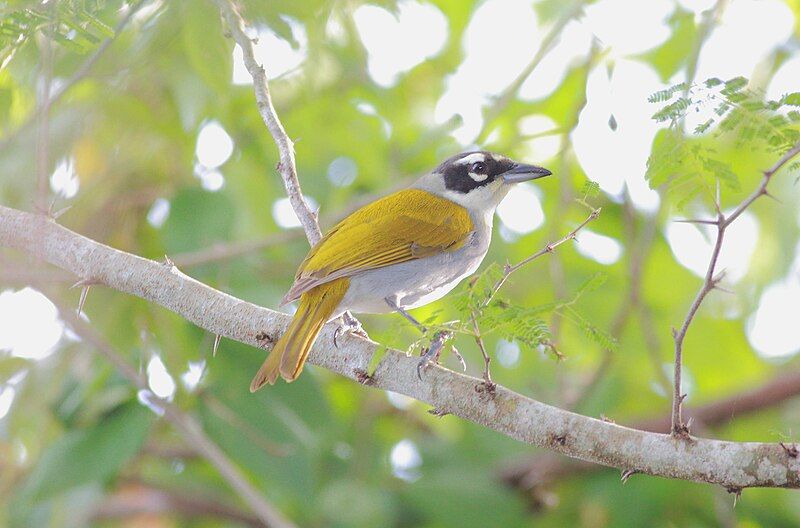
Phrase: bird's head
(478, 180)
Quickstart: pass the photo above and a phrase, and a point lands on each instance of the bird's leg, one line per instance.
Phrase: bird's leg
(394, 306)
(350, 325)
(431, 354)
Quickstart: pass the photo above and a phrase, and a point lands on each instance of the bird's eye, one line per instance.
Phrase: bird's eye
(478, 167)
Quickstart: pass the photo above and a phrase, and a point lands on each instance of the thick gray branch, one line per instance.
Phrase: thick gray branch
(734, 465)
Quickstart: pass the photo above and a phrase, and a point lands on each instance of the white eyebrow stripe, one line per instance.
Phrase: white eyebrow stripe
(471, 158)
(478, 177)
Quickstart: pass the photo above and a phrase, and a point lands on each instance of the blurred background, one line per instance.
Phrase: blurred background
(140, 117)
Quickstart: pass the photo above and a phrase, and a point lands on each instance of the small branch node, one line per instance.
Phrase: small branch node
(607, 419)
(363, 377)
(264, 339)
(737, 493)
(487, 388)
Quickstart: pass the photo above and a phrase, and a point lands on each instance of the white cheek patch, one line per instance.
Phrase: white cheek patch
(471, 158)
(478, 177)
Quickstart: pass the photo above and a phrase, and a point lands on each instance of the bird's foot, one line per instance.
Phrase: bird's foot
(350, 325)
(431, 354)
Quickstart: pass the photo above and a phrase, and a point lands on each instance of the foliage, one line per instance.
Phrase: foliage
(739, 117)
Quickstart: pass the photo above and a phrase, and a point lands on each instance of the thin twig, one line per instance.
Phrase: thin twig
(183, 423)
(286, 166)
(549, 248)
(712, 278)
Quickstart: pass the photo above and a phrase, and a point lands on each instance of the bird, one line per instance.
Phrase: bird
(400, 252)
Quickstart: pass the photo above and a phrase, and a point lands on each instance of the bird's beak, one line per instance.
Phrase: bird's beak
(522, 172)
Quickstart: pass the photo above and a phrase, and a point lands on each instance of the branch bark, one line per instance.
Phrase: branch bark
(541, 469)
(734, 465)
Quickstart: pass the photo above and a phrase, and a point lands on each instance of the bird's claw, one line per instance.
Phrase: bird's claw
(350, 325)
(431, 354)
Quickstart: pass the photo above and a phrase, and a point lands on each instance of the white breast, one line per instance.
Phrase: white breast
(417, 282)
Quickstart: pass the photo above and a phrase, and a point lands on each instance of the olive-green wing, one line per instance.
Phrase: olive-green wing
(403, 226)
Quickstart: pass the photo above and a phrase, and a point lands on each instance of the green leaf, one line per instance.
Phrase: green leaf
(673, 111)
(662, 96)
(90, 455)
(594, 333)
(590, 189)
(592, 283)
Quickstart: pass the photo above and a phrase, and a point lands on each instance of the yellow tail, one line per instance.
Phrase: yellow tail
(290, 352)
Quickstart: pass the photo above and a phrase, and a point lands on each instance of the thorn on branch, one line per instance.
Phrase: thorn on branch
(168, 262)
(697, 221)
(217, 339)
(626, 474)
(82, 300)
(790, 449)
(772, 196)
(438, 412)
(85, 284)
(55, 215)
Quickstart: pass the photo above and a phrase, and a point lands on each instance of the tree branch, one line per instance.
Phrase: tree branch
(730, 464)
(286, 166)
(540, 469)
(183, 423)
(679, 428)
